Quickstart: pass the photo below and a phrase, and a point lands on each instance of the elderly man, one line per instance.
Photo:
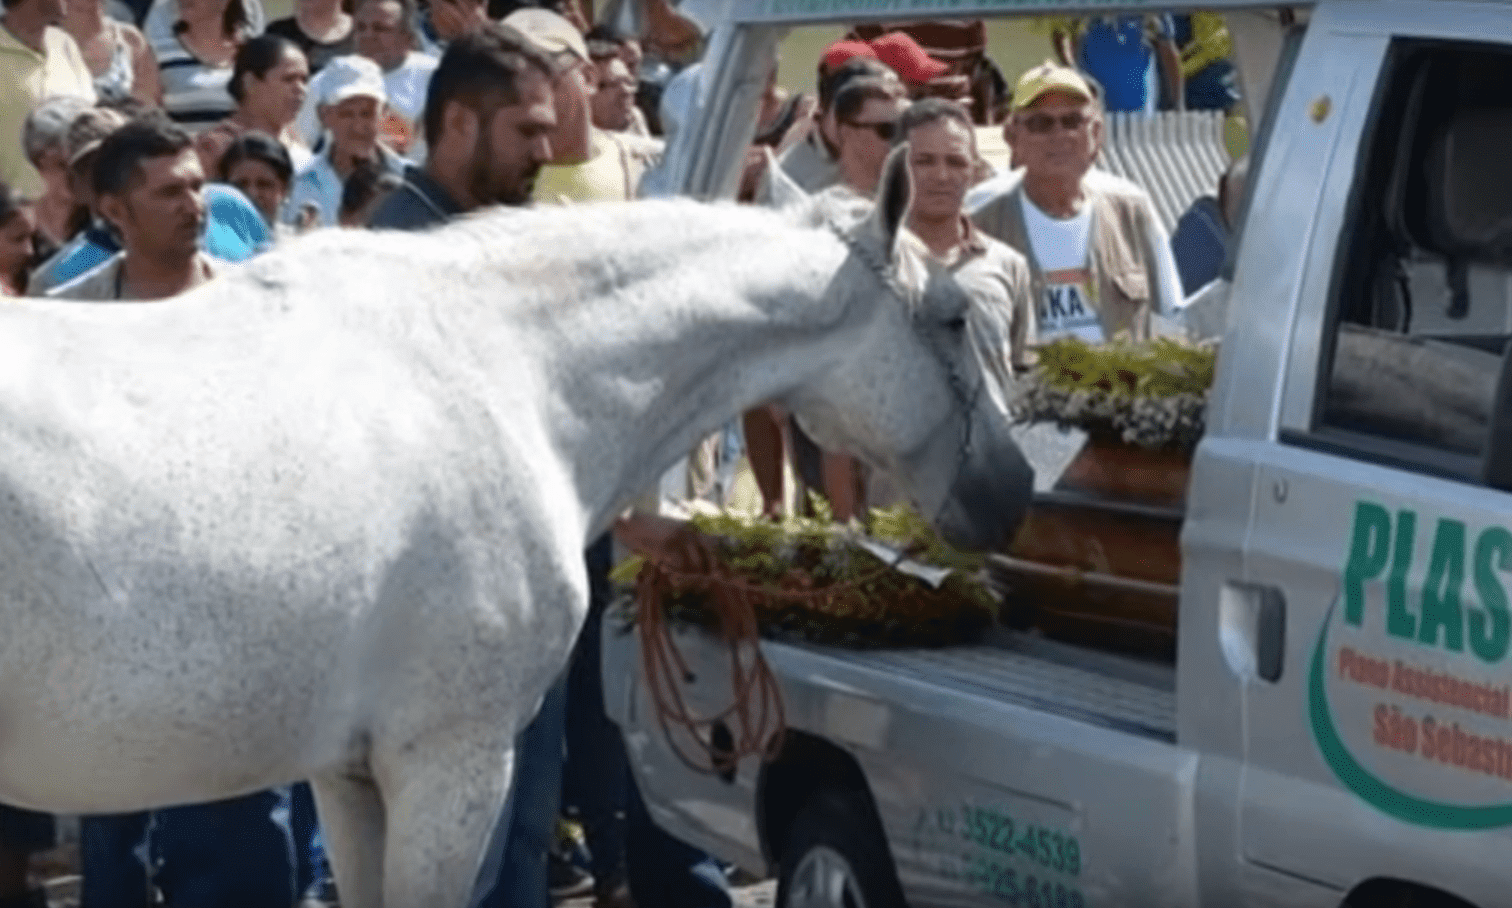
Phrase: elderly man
(385, 33)
(44, 139)
(94, 242)
(351, 105)
(1101, 263)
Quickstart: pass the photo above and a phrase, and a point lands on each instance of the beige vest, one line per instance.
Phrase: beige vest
(1120, 257)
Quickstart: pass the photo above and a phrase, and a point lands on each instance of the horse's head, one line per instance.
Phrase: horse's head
(924, 392)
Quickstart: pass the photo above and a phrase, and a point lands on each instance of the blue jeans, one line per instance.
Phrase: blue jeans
(26, 830)
(596, 776)
(113, 857)
(237, 853)
(663, 871)
(312, 872)
(513, 874)
(668, 872)
(1215, 87)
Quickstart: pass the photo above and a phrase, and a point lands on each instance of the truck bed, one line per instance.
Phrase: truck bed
(1110, 691)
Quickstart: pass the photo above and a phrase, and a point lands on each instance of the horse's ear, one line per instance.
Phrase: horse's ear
(894, 191)
(782, 192)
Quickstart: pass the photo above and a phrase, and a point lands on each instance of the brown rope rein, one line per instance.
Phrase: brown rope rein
(755, 717)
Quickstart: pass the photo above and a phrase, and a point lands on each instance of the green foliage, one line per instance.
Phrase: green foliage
(624, 573)
(807, 578)
(904, 528)
(1153, 394)
(1160, 367)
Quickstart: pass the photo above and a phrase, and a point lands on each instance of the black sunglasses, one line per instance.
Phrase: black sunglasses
(1041, 123)
(885, 130)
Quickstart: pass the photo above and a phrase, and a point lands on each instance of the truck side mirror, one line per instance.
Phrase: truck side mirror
(1496, 468)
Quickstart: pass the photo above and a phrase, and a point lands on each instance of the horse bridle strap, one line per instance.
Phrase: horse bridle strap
(966, 399)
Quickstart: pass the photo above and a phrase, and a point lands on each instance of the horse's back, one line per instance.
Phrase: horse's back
(215, 513)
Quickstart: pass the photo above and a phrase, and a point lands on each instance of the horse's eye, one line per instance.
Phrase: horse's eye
(955, 325)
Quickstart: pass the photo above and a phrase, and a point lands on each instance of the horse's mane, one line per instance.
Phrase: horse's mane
(531, 235)
(554, 253)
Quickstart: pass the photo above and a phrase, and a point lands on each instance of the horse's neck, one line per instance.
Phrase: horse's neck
(685, 337)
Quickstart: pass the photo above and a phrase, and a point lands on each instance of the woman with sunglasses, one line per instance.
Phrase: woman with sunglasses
(866, 115)
(866, 111)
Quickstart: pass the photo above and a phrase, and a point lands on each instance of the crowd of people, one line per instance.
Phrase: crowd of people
(157, 145)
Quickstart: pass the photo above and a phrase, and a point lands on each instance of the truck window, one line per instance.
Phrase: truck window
(1423, 295)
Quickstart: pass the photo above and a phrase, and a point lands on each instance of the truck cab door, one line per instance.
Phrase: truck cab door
(1368, 632)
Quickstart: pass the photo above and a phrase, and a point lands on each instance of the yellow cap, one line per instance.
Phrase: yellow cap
(1048, 77)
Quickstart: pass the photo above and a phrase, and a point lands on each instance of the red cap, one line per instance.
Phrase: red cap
(836, 54)
(901, 52)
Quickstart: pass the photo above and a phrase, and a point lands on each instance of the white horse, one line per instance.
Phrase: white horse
(324, 518)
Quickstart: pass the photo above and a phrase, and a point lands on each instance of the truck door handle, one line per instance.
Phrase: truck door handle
(1270, 633)
(1252, 629)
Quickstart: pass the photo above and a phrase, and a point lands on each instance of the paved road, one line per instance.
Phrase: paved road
(59, 869)
(761, 895)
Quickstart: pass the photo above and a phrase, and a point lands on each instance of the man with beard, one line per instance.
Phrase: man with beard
(488, 115)
(588, 164)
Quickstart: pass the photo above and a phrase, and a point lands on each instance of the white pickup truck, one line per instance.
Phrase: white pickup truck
(1332, 725)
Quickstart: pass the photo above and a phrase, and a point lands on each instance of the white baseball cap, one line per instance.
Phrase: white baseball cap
(550, 32)
(351, 76)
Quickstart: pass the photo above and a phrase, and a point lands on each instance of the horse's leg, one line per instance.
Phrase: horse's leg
(350, 809)
(444, 794)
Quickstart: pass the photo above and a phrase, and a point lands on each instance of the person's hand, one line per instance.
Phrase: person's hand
(308, 217)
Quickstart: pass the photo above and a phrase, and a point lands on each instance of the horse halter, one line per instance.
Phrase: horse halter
(965, 398)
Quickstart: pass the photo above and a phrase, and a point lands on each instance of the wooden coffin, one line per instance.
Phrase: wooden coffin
(1098, 559)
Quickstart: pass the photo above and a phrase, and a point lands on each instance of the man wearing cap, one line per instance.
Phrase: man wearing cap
(587, 164)
(351, 107)
(1100, 262)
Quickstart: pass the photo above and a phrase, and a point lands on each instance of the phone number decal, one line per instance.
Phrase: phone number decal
(996, 830)
(1016, 861)
(1004, 883)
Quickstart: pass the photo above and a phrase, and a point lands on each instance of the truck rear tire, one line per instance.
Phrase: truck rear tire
(836, 856)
